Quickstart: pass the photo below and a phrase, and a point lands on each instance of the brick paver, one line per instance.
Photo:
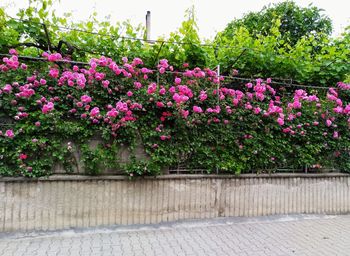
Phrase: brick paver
(291, 235)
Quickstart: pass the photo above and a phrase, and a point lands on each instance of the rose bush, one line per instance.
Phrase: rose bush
(189, 118)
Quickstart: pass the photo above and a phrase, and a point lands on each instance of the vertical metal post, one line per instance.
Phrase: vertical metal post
(218, 87)
(217, 91)
(148, 26)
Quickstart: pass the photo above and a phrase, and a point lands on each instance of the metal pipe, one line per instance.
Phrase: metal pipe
(148, 26)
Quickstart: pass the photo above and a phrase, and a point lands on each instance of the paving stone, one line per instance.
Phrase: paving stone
(268, 236)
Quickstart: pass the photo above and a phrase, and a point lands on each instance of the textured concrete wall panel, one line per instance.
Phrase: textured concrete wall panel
(61, 202)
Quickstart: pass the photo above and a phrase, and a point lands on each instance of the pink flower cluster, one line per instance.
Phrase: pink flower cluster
(111, 94)
(47, 107)
(10, 63)
(52, 57)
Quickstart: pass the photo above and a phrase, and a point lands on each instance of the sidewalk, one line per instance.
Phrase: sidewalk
(280, 235)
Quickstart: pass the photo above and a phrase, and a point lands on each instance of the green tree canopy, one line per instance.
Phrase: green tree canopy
(296, 21)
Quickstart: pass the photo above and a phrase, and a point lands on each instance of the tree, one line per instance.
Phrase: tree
(296, 21)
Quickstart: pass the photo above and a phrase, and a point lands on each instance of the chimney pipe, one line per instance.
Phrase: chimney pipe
(148, 26)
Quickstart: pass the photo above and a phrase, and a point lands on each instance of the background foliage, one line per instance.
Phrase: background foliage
(295, 22)
(296, 45)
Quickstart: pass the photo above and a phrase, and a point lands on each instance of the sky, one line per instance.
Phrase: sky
(166, 15)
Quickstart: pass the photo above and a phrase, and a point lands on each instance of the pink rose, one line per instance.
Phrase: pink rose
(23, 156)
(85, 99)
(13, 52)
(7, 88)
(257, 110)
(42, 81)
(160, 104)
(335, 135)
(112, 113)
(47, 107)
(94, 112)
(280, 121)
(162, 91)
(197, 109)
(9, 133)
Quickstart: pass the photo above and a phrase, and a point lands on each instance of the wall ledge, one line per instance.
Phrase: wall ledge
(173, 177)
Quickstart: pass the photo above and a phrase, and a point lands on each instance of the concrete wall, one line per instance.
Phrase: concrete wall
(123, 156)
(60, 202)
